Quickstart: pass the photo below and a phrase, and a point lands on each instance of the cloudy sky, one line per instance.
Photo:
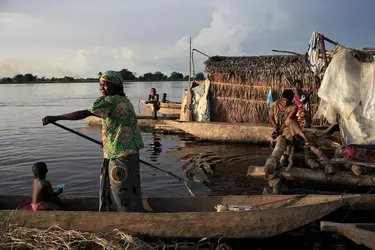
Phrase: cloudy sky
(81, 38)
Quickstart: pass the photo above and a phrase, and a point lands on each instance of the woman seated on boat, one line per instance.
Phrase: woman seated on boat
(282, 117)
(44, 198)
(153, 98)
(120, 184)
(301, 99)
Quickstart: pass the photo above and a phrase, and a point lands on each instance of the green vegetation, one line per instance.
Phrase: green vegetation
(127, 75)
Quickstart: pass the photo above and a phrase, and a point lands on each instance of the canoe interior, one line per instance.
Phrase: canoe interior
(190, 204)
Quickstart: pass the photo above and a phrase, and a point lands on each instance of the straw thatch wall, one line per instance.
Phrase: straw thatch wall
(240, 85)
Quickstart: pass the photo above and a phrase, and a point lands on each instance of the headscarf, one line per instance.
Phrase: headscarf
(114, 77)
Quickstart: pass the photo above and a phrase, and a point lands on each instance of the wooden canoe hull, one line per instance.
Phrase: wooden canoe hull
(142, 122)
(226, 132)
(305, 174)
(170, 112)
(362, 234)
(166, 105)
(204, 222)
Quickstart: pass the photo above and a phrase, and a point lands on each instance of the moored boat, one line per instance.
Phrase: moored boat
(166, 108)
(316, 175)
(360, 233)
(169, 105)
(226, 132)
(142, 121)
(184, 217)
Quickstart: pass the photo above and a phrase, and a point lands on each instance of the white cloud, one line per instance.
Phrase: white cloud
(54, 39)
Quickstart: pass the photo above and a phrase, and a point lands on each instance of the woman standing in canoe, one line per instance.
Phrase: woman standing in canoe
(120, 185)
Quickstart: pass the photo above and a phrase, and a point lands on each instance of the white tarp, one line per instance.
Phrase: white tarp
(200, 101)
(200, 107)
(348, 88)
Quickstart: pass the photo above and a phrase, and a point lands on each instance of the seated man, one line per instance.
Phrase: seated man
(282, 117)
(44, 198)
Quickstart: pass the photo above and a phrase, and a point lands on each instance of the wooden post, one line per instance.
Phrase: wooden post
(309, 162)
(273, 160)
(189, 62)
(186, 114)
(290, 159)
(328, 167)
(324, 50)
(305, 174)
(358, 170)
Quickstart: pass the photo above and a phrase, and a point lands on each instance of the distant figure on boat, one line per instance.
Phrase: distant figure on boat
(44, 198)
(282, 117)
(120, 183)
(164, 98)
(153, 98)
(301, 99)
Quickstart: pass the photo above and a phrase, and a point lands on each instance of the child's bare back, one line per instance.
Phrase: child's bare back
(44, 198)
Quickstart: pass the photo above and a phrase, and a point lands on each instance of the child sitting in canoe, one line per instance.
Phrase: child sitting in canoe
(44, 198)
(164, 98)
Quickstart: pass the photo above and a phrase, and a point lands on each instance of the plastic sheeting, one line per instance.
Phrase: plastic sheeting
(200, 104)
(348, 89)
(201, 111)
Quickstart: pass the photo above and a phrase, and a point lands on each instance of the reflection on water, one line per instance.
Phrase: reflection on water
(155, 147)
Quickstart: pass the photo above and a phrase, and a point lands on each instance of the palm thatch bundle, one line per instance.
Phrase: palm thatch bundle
(240, 85)
(58, 238)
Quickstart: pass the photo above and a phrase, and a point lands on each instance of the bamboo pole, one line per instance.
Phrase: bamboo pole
(289, 52)
(329, 40)
(201, 52)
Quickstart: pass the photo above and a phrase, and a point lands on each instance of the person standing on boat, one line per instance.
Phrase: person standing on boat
(153, 98)
(120, 185)
(303, 105)
(282, 117)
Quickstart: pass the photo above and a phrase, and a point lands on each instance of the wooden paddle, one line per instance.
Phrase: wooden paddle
(144, 162)
(279, 200)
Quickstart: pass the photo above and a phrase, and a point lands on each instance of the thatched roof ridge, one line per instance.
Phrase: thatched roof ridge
(258, 65)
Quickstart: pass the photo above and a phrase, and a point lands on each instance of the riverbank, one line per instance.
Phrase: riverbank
(86, 81)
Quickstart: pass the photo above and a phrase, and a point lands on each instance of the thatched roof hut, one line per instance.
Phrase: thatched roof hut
(240, 85)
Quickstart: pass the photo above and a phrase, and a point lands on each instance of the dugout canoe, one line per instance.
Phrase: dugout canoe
(169, 105)
(360, 233)
(184, 217)
(315, 175)
(143, 122)
(226, 132)
(167, 108)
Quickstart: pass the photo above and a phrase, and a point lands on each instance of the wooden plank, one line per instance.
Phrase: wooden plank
(344, 161)
(362, 234)
(304, 174)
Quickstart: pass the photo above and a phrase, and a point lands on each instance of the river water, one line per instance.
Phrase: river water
(75, 161)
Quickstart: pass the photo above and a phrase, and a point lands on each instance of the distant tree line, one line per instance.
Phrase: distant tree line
(126, 74)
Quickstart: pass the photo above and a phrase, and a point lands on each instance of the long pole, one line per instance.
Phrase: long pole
(189, 61)
(100, 143)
